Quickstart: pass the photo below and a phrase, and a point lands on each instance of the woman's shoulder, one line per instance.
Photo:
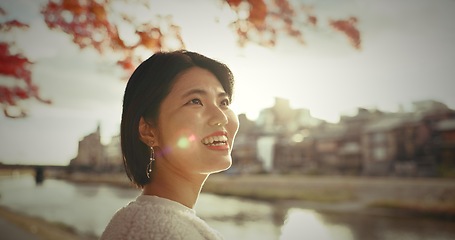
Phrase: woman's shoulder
(150, 209)
(149, 216)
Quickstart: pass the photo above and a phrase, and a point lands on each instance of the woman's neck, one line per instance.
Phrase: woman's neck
(176, 187)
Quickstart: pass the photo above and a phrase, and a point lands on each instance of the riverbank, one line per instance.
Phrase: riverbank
(429, 197)
(234, 216)
(35, 226)
(40, 228)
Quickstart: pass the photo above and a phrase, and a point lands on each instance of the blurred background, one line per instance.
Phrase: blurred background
(346, 108)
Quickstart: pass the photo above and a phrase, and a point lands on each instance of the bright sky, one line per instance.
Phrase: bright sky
(407, 55)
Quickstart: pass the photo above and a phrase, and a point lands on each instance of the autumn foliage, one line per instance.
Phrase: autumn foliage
(348, 27)
(261, 22)
(96, 24)
(17, 67)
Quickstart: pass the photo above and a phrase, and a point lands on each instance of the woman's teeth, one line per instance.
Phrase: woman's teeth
(215, 140)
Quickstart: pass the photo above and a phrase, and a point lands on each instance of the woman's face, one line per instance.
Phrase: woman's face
(196, 127)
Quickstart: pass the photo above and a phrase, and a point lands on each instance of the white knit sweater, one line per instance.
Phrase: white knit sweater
(152, 217)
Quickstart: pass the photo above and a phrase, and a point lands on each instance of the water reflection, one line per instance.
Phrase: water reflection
(391, 228)
(88, 208)
(87, 191)
(238, 218)
(307, 224)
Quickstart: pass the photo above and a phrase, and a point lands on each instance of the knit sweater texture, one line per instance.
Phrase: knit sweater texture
(152, 217)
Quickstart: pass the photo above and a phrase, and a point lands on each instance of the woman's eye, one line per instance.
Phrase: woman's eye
(225, 102)
(195, 101)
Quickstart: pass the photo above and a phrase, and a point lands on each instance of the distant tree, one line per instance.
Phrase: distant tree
(96, 24)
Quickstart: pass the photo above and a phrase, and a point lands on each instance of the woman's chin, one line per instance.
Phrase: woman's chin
(220, 166)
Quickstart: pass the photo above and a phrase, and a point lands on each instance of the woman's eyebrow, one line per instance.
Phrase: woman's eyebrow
(198, 91)
(194, 91)
(223, 94)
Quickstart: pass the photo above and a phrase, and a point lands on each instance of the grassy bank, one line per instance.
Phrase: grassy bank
(277, 188)
(41, 228)
(425, 197)
(442, 210)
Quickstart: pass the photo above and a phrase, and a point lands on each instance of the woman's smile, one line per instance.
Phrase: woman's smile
(216, 141)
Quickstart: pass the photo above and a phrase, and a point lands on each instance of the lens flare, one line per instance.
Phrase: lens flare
(192, 138)
(184, 141)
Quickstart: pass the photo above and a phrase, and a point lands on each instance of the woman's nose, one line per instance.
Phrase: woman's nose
(218, 117)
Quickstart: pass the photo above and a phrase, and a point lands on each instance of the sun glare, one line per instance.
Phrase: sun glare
(308, 224)
(184, 141)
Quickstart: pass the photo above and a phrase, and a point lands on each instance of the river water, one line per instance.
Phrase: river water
(88, 208)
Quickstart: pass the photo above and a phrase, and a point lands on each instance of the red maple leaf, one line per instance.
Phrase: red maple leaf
(348, 27)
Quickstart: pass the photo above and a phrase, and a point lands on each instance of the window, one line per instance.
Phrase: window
(379, 137)
(379, 153)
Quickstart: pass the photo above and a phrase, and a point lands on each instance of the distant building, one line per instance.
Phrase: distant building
(405, 144)
(328, 140)
(444, 146)
(416, 143)
(380, 142)
(295, 154)
(282, 119)
(282, 128)
(350, 149)
(113, 154)
(90, 154)
(245, 152)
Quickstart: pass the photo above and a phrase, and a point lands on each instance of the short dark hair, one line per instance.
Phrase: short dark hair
(147, 87)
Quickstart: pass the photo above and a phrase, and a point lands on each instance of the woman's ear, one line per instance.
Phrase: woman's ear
(146, 133)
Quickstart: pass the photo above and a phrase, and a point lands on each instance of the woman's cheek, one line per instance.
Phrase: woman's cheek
(183, 139)
(186, 140)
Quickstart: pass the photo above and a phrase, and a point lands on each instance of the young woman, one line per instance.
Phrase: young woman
(176, 130)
